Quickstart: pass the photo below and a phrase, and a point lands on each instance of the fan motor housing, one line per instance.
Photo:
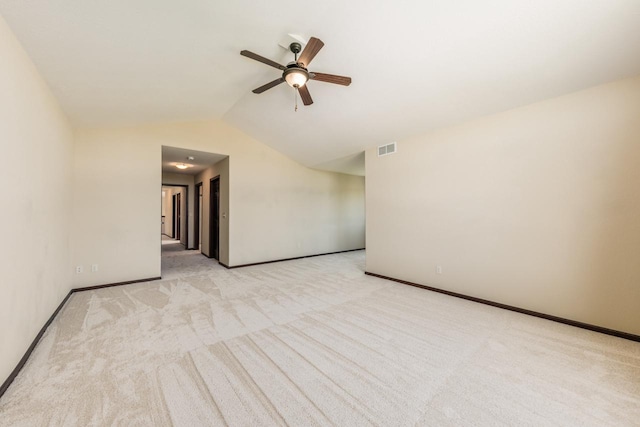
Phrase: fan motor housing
(295, 47)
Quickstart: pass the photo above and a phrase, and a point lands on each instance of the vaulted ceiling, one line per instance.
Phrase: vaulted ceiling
(416, 65)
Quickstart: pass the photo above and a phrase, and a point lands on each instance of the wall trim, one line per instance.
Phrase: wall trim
(287, 259)
(12, 376)
(5, 385)
(110, 285)
(602, 330)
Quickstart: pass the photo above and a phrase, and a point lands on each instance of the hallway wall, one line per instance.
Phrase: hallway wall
(219, 169)
(37, 148)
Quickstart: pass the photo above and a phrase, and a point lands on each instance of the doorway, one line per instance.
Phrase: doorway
(173, 214)
(214, 218)
(177, 216)
(197, 232)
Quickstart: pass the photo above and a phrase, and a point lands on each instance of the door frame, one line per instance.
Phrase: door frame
(214, 219)
(196, 216)
(173, 216)
(177, 217)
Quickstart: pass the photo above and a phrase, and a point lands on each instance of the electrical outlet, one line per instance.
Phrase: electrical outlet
(439, 269)
(94, 268)
(78, 269)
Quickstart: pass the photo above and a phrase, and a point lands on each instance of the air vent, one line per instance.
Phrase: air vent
(383, 150)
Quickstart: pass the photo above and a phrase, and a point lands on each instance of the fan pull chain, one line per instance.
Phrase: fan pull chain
(295, 97)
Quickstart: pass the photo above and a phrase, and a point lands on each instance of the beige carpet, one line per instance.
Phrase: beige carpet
(166, 240)
(313, 342)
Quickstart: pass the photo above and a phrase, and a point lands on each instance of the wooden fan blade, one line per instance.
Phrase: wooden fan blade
(310, 51)
(269, 85)
(331, 78)
(304, 95)
(262, 59)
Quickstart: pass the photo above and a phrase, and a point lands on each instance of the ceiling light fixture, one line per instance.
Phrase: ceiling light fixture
(296, 76)
(183, 165)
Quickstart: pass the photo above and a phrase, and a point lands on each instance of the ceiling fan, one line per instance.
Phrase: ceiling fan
(295, 73)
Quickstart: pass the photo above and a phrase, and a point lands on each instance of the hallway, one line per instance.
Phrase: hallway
(179, 262)
(166, 240)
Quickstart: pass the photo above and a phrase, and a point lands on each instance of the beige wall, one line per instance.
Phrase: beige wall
(219, 169)
(277, 207)
(280, 209)
(537, 207)
(36, 144)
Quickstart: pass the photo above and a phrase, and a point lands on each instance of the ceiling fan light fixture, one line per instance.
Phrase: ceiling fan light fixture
(296, 73)
(295, 76)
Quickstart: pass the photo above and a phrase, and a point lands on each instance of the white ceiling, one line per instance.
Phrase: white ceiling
(416, 65)
(201, 160)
